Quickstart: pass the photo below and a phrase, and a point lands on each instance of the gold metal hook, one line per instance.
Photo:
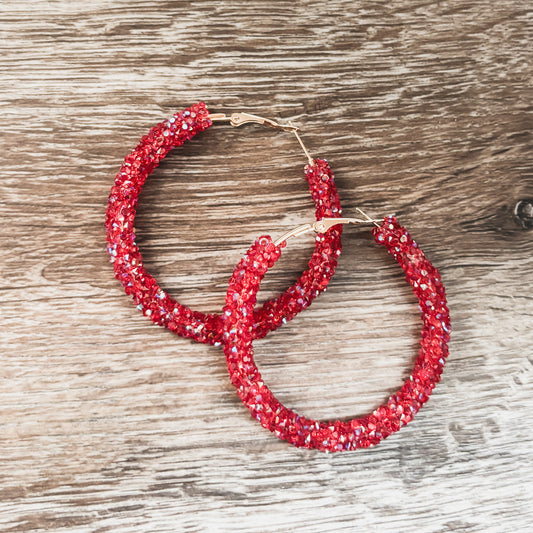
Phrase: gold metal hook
(238, 119)
(309, 158)
(325, 224)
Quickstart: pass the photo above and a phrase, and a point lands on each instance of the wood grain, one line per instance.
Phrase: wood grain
(109, 423)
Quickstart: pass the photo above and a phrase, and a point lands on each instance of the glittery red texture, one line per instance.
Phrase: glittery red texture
(386, 419)
(153, 301)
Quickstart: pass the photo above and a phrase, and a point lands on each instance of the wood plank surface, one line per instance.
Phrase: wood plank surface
(110, 423)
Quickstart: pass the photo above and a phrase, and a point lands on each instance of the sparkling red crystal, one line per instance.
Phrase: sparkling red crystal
(149, 297)
(383, 421)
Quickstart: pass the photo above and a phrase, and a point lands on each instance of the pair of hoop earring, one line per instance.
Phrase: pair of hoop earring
(241, 323)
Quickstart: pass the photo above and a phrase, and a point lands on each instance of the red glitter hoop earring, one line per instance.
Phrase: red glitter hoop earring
(388, 418)
(153, 301)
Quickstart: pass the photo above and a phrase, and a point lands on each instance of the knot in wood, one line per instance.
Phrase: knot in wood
(523, 212)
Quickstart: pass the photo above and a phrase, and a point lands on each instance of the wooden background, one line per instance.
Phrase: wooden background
(109, 423)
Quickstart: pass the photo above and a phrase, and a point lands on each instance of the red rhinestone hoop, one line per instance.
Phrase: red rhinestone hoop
(386, 419)
(149, 297)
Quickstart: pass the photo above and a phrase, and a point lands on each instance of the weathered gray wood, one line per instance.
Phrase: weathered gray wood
(109, 423)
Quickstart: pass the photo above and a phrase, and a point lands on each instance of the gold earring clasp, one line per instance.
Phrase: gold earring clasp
(240, 118)
(325, 224)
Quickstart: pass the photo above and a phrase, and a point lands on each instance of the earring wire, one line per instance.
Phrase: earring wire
(238, 119)
(322, 226)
